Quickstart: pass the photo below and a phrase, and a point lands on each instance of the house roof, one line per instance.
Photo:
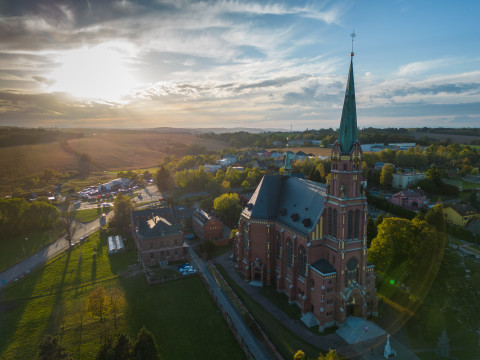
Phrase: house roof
(152, 223)
(409, 193)
(202, 216)
(324, 267)
(297, 203)
(464, 209)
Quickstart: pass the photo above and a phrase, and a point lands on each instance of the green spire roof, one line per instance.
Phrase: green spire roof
(347, 133)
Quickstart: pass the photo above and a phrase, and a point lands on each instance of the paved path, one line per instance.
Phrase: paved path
(19, 270)
(371, 349)
(253, 344)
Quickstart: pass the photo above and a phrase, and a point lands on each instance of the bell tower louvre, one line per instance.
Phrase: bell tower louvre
(310, 239)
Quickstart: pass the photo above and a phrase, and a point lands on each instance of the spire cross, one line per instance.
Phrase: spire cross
(352, 35)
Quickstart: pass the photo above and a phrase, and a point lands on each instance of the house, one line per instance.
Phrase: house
(157, 236)
(410, 199)
(403, 180)
(212, 168)
(114, 184)
(206, 226)
(460, 214)
(310, 239)
(227, 161)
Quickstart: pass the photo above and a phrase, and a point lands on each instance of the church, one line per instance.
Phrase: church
(310, 239)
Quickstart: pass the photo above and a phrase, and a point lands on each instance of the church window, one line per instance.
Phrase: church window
(351, 273)
(356, 224)
(245, 237)
(278, 245)
(344, 167)
(312, 283)
(302, 261)
(289, 253)
(335, 223)
(350, 224)
(330, 222)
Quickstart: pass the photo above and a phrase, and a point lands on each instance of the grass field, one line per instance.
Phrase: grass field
(286, 342)
(14, 250)
(180, 314)
(87, 215)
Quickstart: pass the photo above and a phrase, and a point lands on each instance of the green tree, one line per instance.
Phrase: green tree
(145, 347)
(51, 349)
(122, 208)
(331, 355)
(228, 207)
(299, 355)
(162, 179)
(386, 177)
(123, 349)
(69, 214)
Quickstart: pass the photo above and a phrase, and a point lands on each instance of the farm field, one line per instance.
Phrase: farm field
(50, 299)
(110, 151)
(317, 151)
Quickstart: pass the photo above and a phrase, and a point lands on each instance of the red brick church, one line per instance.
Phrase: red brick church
(310, 239)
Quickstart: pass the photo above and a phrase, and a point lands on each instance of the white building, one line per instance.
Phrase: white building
(120, 182)
(403, 180)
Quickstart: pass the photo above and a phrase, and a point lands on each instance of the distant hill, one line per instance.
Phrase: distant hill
(215, 130)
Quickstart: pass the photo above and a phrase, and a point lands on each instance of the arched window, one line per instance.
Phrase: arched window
(289, 253)
(335, 223)
(302, 261)
(350, 224)
(245, 236)
(351, 271)
(278, 245)
(330, 222)
(356, 224)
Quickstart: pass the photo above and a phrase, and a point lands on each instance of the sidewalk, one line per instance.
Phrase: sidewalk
(371, 348)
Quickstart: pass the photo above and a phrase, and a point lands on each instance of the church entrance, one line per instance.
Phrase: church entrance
(354, 306)
(257, 276)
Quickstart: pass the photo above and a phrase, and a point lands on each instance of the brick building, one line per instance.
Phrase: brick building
(310, 239)
(157, 236)
(206, 226)
(410, 199)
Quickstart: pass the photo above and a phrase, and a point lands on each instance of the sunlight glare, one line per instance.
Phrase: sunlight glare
(95, 73)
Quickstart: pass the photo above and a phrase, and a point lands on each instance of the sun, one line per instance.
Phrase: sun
(95, 73)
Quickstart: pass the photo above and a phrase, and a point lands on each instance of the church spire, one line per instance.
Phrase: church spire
(347, 133)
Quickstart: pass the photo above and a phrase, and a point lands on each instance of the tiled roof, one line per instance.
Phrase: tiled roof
(295, 202)
(464, 209)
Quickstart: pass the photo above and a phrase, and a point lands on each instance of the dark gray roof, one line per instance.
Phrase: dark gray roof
(202, 216)
(152, 223)
(297, 203)
(324, 267)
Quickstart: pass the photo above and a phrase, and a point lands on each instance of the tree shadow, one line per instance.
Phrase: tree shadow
(12, 309)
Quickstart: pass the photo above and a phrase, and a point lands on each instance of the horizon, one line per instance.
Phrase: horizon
(230, 64)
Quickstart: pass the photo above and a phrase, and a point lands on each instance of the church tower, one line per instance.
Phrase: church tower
(346, 217)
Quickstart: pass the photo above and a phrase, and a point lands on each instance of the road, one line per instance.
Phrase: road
(19, 270)
(254, 346)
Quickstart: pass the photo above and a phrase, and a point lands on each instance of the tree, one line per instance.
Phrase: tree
(117, 303)
(228, 206)
(97, 302)
(51, 349)
(145, 347)
(299, 355)
(123, 349)
(331, 355)
(69, 215)
(122, 208)
(162, 179)
(386, 177)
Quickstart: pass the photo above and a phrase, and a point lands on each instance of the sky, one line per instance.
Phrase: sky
(254, 64)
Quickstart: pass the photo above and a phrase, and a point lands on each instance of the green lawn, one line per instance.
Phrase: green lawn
(181, 314)
(286, 342)
(88, 215)
(15, 249)
(220, 250)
